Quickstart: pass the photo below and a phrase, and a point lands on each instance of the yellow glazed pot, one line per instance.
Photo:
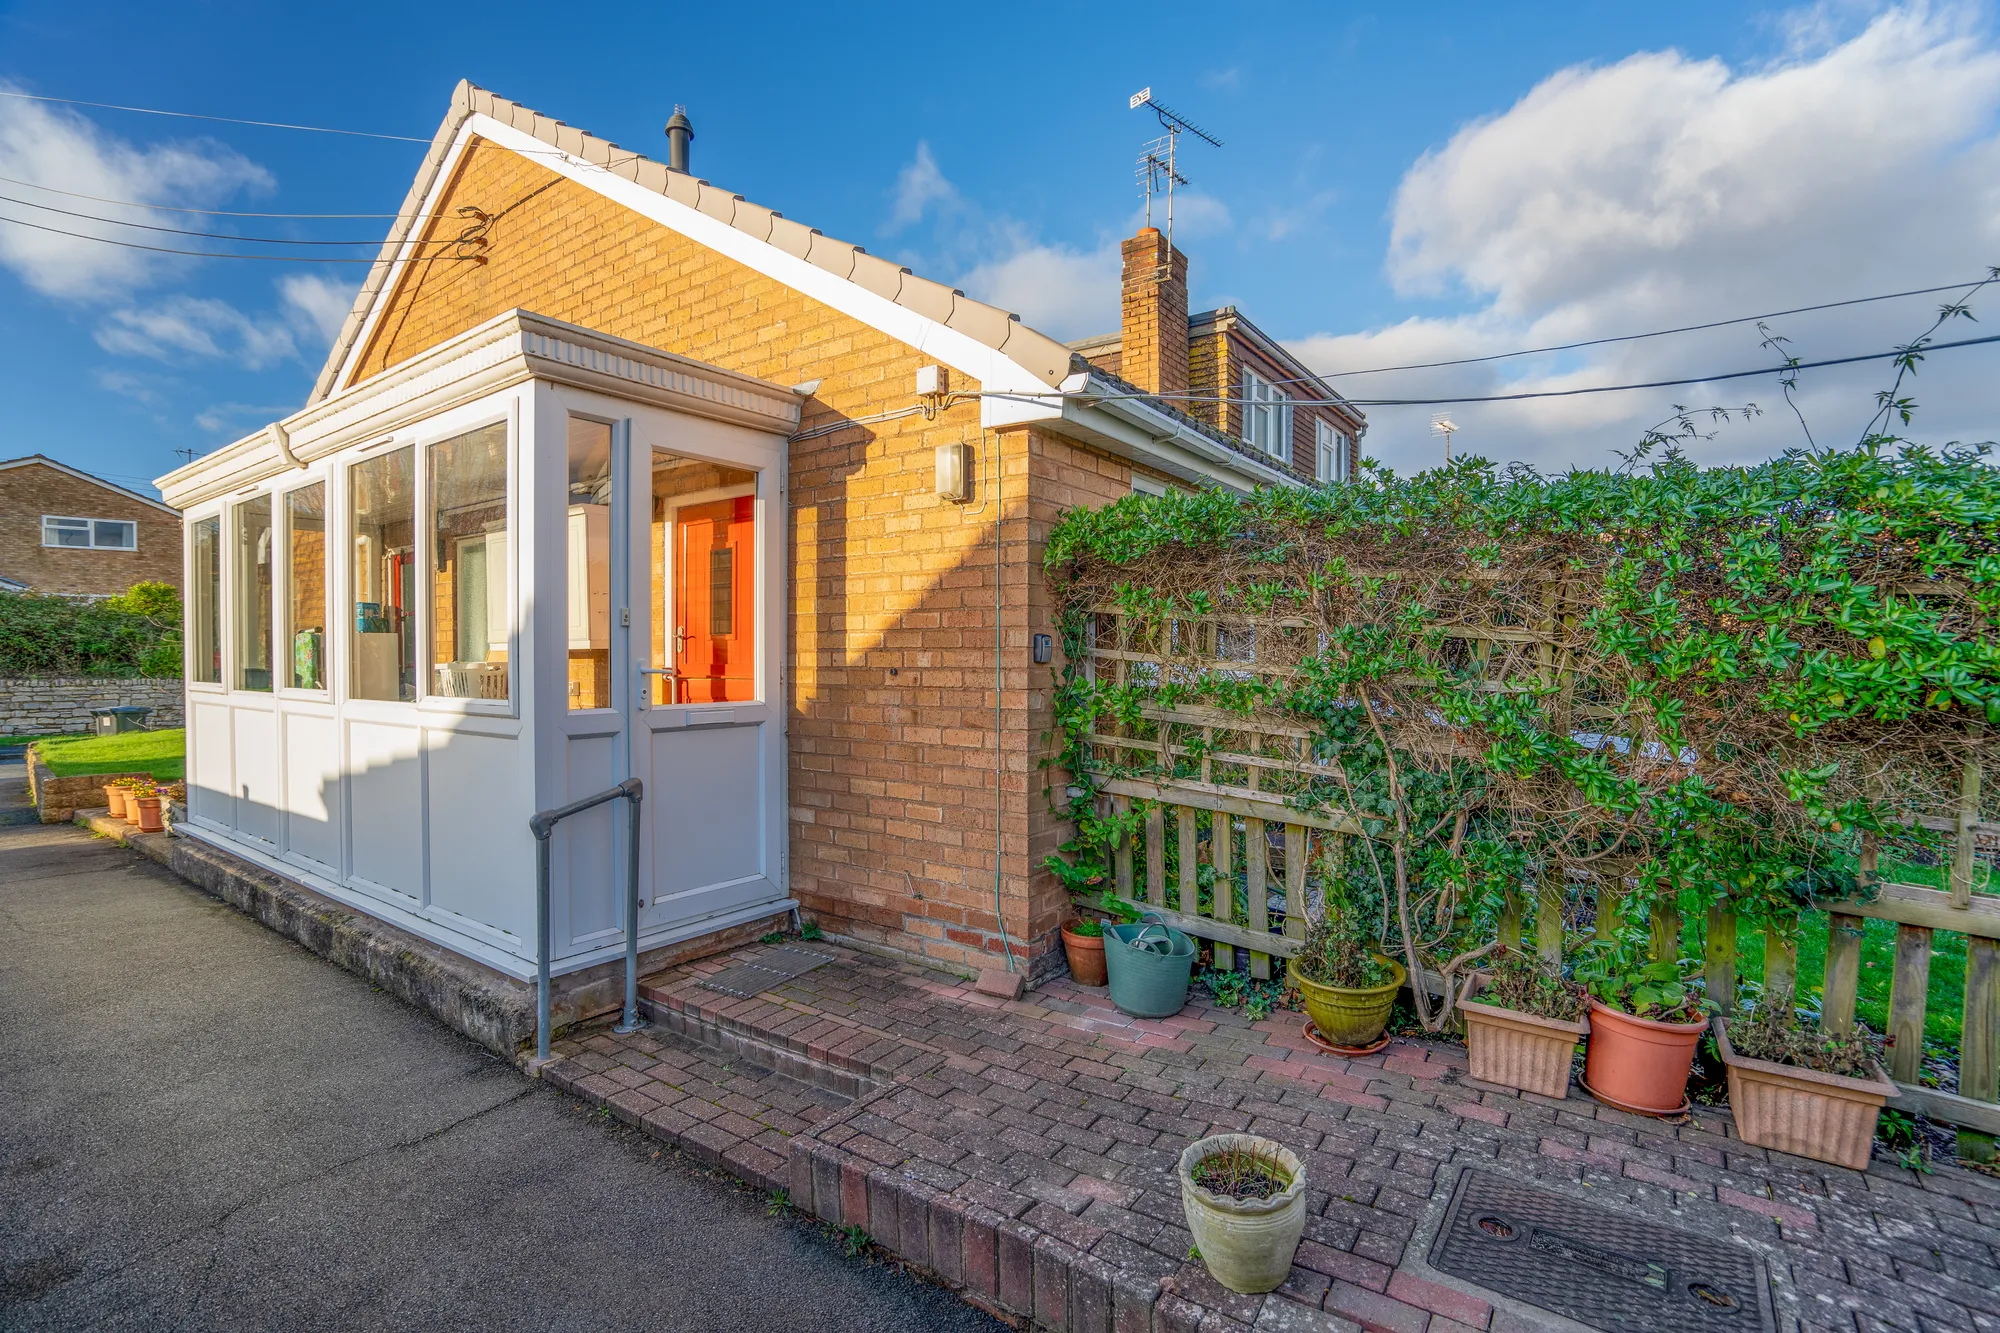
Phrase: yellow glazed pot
(1350, 1017)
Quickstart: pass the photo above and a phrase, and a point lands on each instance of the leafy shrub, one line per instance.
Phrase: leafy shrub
(1773, 1031)
(137, 634)
(1524, 983)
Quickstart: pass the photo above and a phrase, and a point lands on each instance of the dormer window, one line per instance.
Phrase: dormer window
(1333, 451)
(1267, 416)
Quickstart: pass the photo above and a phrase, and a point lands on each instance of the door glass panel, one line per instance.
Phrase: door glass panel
(385, 531)
(468, 600)
(252, 584)
(305, 531)
(589, 542)
(704, 563)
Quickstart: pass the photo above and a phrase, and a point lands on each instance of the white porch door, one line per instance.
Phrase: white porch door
(707, 726)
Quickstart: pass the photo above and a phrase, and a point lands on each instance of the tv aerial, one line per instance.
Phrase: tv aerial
(1442, 424)
(1159, 168)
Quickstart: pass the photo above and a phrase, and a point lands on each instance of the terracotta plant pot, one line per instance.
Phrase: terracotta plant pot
(1640, 1063)
(1086, 958)
(149, 815)
(1826, 1117)
(114, 800)
(1518, 1050)
(1247, 1244)
(132, 799)
(1350, 1017)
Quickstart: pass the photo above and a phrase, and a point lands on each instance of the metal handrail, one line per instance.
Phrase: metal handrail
(542, 825)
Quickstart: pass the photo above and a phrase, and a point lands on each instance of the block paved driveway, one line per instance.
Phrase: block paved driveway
(202, 1126)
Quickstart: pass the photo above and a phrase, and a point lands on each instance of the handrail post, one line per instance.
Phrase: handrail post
(541, 941)
(633, 792)
(543, 824)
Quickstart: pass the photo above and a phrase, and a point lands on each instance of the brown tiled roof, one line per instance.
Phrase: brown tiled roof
(1040, 355)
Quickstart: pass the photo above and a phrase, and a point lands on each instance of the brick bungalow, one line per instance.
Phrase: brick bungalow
(910, 446)
(65, 531)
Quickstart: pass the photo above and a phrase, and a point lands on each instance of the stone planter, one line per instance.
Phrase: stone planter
(1247, 1244)
(1827, 1117)
(1086, 957)
(1350, 1017)
(1519, 1050)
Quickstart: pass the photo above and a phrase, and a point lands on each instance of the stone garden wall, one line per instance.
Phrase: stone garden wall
(58, 706)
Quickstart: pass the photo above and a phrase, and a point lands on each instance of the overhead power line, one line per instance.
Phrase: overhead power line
(204, 212)
(224, 120)
(217, 254)
(179, 231)
(1636, 337)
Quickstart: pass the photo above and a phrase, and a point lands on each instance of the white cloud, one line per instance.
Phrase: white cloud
(1665, 190)
(919, 185)
(1064, 293)
(148, 391)
(64, 151)
(235, 418)
(318, 304)
(192, 328)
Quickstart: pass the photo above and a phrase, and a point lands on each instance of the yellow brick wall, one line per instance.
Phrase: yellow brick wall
(892, 748)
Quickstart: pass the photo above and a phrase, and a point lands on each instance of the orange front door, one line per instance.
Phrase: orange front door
(715, 603)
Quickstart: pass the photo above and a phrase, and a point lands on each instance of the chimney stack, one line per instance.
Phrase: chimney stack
(1153, 324)
(680, 134)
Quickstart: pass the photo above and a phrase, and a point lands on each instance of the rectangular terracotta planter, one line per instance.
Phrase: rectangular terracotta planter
(1517, 1050)
(1826, 1117)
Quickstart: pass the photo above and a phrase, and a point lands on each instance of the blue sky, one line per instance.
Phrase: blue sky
(1397, 183)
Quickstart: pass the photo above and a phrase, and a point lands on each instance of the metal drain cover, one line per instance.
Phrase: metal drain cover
(1603, 1268)
(767, 971)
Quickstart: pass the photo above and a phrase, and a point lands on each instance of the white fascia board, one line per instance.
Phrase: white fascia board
(966, 355)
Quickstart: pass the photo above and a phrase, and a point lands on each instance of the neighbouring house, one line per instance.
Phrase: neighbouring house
(65, 531)
(613, 473)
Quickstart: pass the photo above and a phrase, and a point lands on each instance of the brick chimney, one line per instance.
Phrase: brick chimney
(1153, 325)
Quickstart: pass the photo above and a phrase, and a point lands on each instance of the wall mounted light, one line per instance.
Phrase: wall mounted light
(954, 472)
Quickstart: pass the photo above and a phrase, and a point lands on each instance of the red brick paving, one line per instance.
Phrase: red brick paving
(1024, 1150)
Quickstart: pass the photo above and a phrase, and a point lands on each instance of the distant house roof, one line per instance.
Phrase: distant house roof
(43, 459)
(1043, 359)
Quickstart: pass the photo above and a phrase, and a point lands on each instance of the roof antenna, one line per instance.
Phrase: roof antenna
(680, 134)
(1442, 424)
(1157, 167)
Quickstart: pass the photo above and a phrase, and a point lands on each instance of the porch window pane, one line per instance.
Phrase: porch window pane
(251, 582)
(704, 563)
(205, 601)
(468, 595)
(305, 598)
(383, 505)
(589, 544)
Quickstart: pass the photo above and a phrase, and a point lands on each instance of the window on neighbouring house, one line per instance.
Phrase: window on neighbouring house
(1333, 451)
(1267, 416)
(90, 534)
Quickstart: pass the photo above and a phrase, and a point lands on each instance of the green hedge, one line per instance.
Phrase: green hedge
(138, 634)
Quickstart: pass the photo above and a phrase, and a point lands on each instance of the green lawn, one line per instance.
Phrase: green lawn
(160, 753)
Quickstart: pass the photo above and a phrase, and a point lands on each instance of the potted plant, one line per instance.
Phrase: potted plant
(1524, 1028)
(1799, 1089)
(1245, 1201)
(135, 791)
(1645, 1021)
(147, 804)
(1083, 941)
(114, 799)
(1348, 985)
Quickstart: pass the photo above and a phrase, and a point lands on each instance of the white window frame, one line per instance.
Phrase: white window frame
(1267, 416)
(1332, 450)
(131, 526)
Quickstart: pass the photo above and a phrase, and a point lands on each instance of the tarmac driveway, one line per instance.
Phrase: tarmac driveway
(202, 1126)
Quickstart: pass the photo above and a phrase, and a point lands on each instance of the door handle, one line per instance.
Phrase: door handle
(646, 695)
